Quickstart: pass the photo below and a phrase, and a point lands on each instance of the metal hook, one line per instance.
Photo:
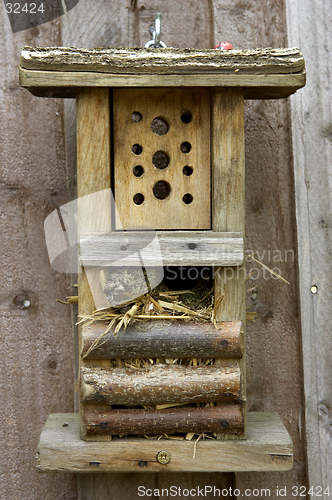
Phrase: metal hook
(156, 31)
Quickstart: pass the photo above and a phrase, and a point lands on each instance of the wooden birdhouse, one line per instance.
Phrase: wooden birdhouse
(163, 130)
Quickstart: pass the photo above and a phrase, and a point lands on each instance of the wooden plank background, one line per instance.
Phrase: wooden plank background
(312, 149)
(38, 343)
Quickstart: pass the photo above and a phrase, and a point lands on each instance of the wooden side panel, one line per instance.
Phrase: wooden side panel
(93, 183)
(162, 158)
(228, 207)
(93, 175)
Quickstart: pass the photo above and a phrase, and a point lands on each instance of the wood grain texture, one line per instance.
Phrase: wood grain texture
(162, 61)
(165, 340)
(267, 448)
(93, 175)
(228, 206)
(93, 183)
(162, 210)
(160, 384)
(60, 84)
(94, 198)
(228, 418)
(178, 248)
(36, 370)
(311, 129)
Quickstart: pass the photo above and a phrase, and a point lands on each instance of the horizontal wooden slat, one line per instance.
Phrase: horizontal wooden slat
(268, 447)
(227, 418)
(60, 84)
(178, 248)
(165, 340)
(160, 384)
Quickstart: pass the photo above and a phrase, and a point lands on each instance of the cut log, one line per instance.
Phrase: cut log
(160, 384)
(227, 418)
(164, 340)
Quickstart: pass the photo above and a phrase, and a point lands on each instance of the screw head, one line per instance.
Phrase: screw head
(314, 289)
(26, 303)
(163, 457)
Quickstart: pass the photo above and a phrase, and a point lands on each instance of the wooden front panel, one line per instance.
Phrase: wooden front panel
(162, 158)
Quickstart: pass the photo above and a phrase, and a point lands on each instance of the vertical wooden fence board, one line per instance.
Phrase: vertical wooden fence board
(183, 24)
(273, 341)
(309, 24)
(37, 345)
(115, 486)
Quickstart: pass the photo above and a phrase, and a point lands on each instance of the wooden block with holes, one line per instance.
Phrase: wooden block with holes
(172, 152)
(162, 157)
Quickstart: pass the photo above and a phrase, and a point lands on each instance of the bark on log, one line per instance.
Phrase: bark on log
(227, 418)
(165, 61)
(164, 340)
(160, 384)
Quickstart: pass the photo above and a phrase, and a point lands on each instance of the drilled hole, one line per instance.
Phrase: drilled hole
(185, 147)
(161, 190)
(136, 116)
(160, 160)
(138, 199)
(159, 126)
(187, 170)
(186, 117)
(137, 149)
(187, 199)
(138, 171)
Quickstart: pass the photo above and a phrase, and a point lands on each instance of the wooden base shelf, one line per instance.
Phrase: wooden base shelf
(268, 447)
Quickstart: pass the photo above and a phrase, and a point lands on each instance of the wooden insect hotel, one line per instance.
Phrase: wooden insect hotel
(164, 130)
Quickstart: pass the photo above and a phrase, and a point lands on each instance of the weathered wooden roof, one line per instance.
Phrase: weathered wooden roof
(262, 73)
